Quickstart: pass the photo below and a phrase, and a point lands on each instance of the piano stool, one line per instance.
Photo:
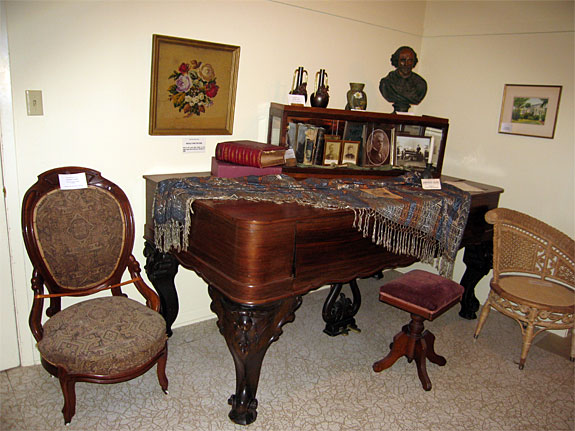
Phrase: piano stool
(425, 296)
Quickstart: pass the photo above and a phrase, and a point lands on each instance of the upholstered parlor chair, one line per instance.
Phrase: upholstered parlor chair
(533, 276)
(80, 243)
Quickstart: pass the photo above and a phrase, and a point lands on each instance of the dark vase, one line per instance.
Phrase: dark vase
(299, 84)
(320, 98)
(356, 98)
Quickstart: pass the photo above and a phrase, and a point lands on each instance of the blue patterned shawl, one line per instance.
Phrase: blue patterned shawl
(395, 212)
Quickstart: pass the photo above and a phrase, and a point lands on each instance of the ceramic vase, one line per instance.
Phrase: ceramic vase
(356, 98)
(320, 98)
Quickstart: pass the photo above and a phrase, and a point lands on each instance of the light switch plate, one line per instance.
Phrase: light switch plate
(34, 102)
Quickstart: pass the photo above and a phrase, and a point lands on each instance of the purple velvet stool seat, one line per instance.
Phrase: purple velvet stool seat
(425, 296)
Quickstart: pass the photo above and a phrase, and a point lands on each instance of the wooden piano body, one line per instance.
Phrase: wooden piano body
(259, 258)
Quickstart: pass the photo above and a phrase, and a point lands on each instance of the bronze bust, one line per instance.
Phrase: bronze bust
(403, 87)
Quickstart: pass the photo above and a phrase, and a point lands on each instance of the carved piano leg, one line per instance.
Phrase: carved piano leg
(339, 311)
(161, 269)
(479, 260)
(249, 330)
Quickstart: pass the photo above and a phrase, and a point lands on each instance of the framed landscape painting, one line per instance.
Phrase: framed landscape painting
(193, 87)
(530, 110)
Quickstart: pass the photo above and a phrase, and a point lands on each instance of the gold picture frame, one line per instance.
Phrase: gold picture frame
(193, 87)
(530, 110)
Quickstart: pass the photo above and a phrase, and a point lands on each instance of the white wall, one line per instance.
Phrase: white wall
(92, 62)
(471, 50)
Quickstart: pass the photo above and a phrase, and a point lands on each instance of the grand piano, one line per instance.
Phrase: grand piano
(259, 258)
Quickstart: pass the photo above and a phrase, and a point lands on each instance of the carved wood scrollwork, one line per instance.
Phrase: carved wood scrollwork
(249, 330)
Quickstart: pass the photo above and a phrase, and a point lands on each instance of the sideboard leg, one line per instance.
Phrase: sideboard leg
(161, 269)
(479, 260)
(249, 330)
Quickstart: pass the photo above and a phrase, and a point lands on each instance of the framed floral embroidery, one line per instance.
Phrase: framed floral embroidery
(193, 87)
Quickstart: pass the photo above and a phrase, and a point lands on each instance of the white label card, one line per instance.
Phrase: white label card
(431, 184)
(73, 181)
(290, 154)
(296, 99)
(194, 145)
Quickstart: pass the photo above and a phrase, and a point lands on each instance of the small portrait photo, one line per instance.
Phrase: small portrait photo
(377, 147)
(350, 152)
(332, 152)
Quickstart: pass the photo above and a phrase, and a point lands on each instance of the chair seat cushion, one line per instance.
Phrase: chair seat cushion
(544, 294)
(103, 336)
(422, 293)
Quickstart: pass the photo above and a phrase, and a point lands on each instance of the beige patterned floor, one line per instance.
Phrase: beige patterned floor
(311, 381)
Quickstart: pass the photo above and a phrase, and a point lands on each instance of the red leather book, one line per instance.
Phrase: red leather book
(250, 153)
(232, 170)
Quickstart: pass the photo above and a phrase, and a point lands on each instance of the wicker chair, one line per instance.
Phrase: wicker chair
(80, 243)
(533, 276)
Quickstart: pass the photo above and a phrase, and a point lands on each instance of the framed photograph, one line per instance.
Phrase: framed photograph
(530, 110)
(193, 87)
(309, 144)
(410, 129)
(353, 131)
(332, 137)
(437, 138)
(413, 151)
(331, 152)
(350, 152)
(378, 145)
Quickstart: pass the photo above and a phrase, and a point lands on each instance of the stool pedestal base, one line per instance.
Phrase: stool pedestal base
(413, 343)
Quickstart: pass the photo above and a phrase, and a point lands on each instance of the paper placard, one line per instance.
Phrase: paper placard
(72, 181)
(194, 145)
(431, 183)
(296, 99)
(290, 154)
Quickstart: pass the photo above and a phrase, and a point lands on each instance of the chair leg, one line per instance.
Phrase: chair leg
(420, 358)
(527, 338)
(483, 316)
(69, 392)
(429, 340)
(161, 369)
(399, 348)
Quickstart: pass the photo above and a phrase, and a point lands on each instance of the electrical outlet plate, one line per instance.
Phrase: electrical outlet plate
(34, 102)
